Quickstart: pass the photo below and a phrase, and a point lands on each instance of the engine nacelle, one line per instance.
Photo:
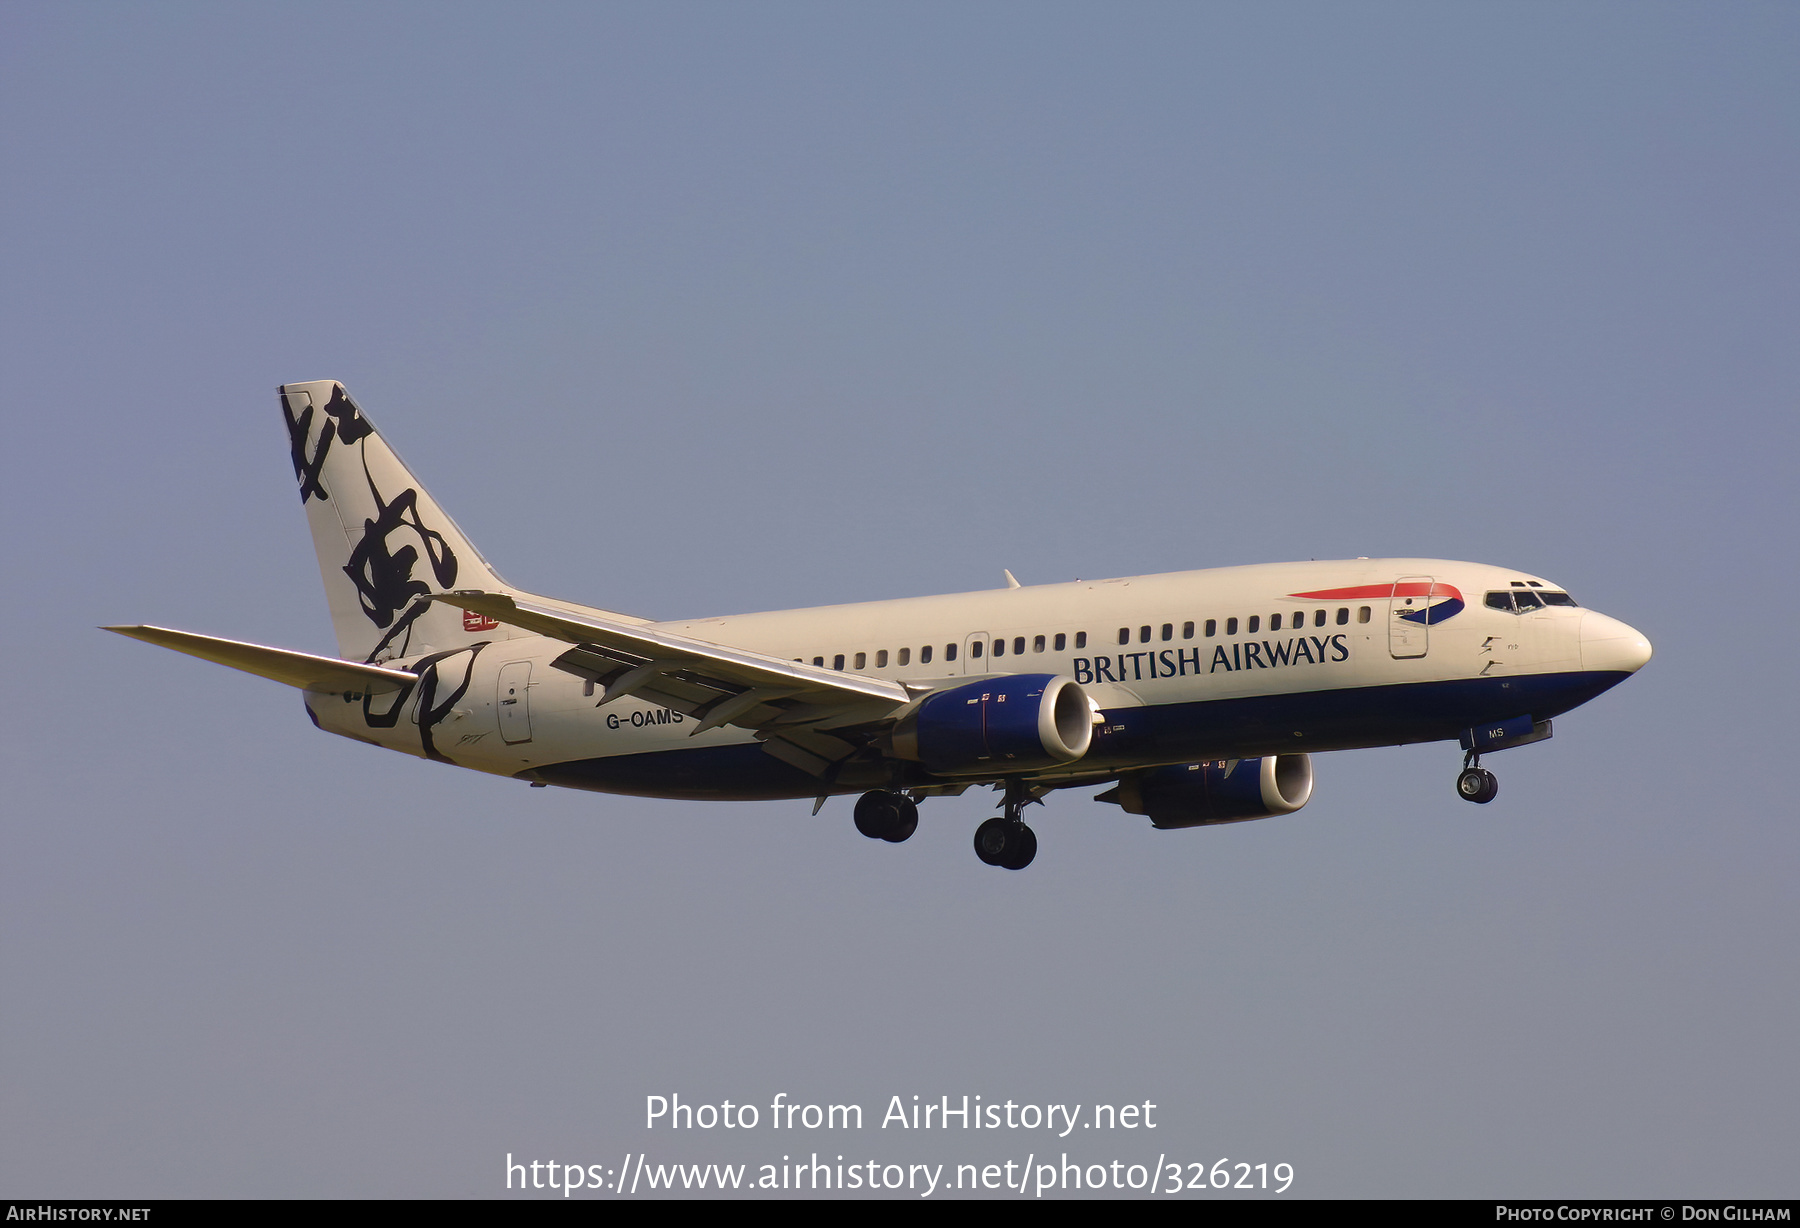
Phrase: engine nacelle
(1217, 791)
(1001, 723)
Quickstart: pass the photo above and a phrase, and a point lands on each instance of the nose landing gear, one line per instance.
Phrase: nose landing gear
(881, 815)
(1476, 784)
(1005, 841)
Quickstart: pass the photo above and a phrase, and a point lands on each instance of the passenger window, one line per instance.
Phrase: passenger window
(1255, 622)
(974, 650)
(1499, 601)
(1187, 631)
(925, 656)
(1061, 640)
(1231, 626)
(820, 661)
(906, 656)
(1081, 639)
(1143, 635)
(1212, 627)
(1343, 614)
(881, 659)
(1318, 618)
(999, 648)
(862, 659)
(837, 662)
(1168, 631)
(949, 652)
(1019, 645)
(1037, 645)
(1124, 635)
(1274, 623)
(1527, 600)
(1299, 619)
(1362, 613)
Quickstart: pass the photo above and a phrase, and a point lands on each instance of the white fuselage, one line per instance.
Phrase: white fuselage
(1225, 662)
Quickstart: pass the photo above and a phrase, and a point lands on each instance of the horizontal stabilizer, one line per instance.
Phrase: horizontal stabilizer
(296, 669)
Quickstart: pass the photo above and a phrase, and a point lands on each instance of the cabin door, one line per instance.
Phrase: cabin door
(1409, 625)
(515, 701)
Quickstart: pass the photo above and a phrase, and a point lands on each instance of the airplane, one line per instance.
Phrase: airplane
(1194, 698)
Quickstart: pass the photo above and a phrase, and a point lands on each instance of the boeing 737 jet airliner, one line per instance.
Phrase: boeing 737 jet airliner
(1196, 697)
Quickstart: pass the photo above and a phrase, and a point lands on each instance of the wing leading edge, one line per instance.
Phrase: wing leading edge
(791, 706)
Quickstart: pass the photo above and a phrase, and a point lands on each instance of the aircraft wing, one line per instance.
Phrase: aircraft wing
(296, 669)
(789, 703)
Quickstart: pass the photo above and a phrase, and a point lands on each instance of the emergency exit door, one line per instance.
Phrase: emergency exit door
(974, 653)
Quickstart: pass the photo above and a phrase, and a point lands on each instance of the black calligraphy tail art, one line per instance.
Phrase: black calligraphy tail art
(384, 545)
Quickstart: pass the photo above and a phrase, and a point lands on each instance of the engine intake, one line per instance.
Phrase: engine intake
(1216, 791)
(1005, 722)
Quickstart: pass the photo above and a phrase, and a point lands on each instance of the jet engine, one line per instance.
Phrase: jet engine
(1001, 723)
(1216, 791)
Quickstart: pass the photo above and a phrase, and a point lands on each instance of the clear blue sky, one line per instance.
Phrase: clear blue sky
(691, 309)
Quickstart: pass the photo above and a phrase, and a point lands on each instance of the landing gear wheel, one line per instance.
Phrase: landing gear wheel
(881, 815)
(909, 821)
(1477, 785)
(1021, 848)
(1005, 842)
(991, 841)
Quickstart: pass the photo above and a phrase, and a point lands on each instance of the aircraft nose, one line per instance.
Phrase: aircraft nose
(1608, 645)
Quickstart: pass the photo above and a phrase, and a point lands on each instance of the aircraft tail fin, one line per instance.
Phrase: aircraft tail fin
(384, 544)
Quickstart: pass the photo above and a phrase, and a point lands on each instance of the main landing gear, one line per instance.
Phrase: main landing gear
(1005, 840)
(881, 815)
(1475, 783)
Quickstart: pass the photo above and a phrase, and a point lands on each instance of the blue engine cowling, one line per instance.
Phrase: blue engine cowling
(1000, 724)
(1216, 791)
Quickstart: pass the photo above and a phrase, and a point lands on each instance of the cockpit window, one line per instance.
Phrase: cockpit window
(1526, 600)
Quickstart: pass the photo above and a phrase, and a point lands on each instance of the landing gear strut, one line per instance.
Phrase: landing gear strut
(1005, 840)
(881, 815)
(1476, 783)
